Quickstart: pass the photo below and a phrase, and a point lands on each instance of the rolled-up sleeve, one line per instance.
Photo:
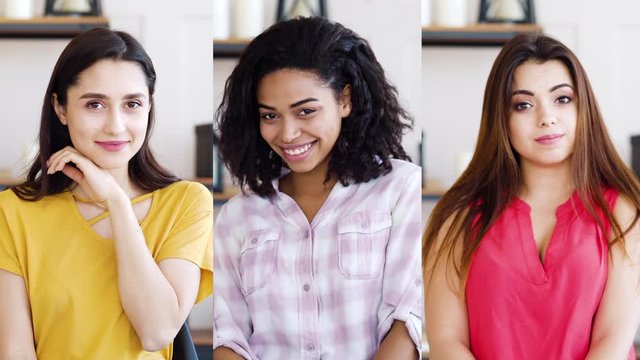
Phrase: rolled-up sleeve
(232, 321)
(402, 279)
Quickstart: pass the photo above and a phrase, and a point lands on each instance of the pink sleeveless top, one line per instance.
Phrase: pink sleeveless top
(520, 308)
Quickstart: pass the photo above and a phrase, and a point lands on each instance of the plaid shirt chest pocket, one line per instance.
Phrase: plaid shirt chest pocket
(362, 242)
(258, 258)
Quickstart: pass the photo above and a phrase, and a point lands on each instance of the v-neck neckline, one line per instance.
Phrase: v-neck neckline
(540, 270)
(88, 223)
(290, 207)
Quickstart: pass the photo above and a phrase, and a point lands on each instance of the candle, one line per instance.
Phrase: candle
(21, 9)
(247, 18)
(221, 19)
(426, 12)
(449, 12)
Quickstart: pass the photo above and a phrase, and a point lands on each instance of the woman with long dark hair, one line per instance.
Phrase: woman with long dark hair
(533, 252)
(319, 258)
(103, 252)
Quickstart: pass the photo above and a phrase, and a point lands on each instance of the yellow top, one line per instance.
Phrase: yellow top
(71, 273)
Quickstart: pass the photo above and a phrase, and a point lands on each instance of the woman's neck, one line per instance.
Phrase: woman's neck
(122, 178)
(546, 183)
(311, 183)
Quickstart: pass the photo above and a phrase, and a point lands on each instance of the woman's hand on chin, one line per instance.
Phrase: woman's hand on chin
(97, 184)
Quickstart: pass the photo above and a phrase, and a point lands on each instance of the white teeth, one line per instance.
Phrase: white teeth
(299, 150)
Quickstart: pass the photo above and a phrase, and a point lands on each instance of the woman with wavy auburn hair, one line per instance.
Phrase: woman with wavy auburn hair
(533, 252)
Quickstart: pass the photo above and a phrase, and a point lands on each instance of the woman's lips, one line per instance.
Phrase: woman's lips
(549, 139)
(112, 146)
(297, 152)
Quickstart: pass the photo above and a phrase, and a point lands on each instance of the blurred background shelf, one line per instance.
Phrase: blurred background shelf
(229, 48)
(5, 182)
(203, 341)
(219, 198)
(475, 35)
(49, 26)
(432, 191)
(470, 35)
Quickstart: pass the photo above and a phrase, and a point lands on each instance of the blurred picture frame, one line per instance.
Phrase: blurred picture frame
(507, 11)
(73, 8)
(216, 176)
(288, 9)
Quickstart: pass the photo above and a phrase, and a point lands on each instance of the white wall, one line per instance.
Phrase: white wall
(393, 31)
(177, 37)
(604, 36)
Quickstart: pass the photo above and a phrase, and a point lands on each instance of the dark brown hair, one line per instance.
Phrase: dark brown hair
(493, 177)
(83, 51)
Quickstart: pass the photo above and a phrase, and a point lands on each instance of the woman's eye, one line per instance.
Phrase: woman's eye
(522, 106)
(95, 105)
(268, 116)
(563, 99)
(133, 104)
(305, 112)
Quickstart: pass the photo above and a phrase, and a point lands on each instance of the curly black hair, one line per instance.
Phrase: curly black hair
(369, 137)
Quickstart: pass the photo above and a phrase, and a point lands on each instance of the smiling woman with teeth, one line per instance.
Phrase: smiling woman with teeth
(319, 257)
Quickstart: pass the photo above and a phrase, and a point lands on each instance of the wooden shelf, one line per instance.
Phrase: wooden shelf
(230, 48)
(220, 198)
(432, 191)
(202, 337)
(470, 35)
(6, 182)
(49, 26)
(475, 35)
(9, 181)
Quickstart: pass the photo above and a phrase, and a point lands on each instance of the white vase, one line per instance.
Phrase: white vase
(247, 18)
(221, 13)
(300, 9)
(75, 6)
(509, 10)
(450, 12)
(18, 9)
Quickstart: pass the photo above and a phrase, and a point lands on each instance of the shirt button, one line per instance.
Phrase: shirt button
(309, 347)
(363, 225)
(306, 287)
(254, 240)
(306, 233)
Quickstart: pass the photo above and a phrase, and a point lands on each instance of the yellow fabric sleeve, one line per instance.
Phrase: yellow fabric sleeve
(192, 236)
(9, 258)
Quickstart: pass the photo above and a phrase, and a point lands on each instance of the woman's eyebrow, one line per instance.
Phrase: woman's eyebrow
(552, 89)
(295, 104)
(103, 96)
(524, 92)
(93, 96)
(260, 105)
(298, 103)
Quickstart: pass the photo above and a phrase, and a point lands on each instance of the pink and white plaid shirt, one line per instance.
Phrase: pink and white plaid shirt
(287, 289)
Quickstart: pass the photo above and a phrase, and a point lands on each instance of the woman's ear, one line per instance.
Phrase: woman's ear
(59, 109)
(345, 101)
